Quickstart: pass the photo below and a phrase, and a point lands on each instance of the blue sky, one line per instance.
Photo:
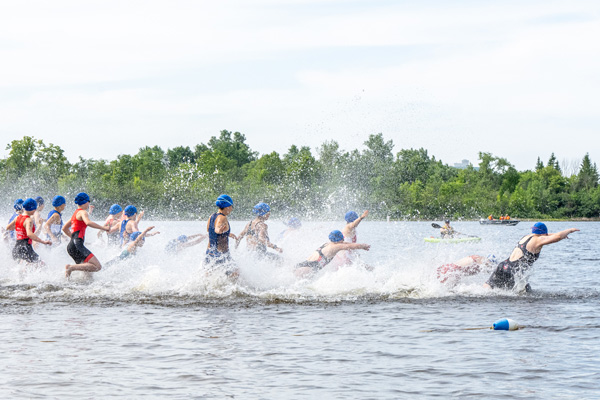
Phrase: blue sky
(518, 79)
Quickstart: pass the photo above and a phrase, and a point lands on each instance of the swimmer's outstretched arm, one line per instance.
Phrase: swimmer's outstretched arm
(355, 223)
(190, 243)
(139, 217)
(242, 234)
(354, 246)
(85, 217)
(555, 237)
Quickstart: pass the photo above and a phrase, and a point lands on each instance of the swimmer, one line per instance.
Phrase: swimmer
(129, 224)
(75, 227)
(54, 223)
(352, 221)
(349, 232)
(447, 231)
(451, 274)
(219, 232)
(524, 255)
(24, 227)
(293, 225)
(183, 242)
(137, 239)
(18, 206)
(113, 221)
(257, 234)
(324, 254)
(37, 216)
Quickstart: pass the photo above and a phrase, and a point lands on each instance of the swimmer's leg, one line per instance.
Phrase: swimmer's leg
(90, 265)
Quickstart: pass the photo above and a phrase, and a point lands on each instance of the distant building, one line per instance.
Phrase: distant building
(464, 164)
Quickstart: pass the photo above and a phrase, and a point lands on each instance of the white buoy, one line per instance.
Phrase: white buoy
(505, 324)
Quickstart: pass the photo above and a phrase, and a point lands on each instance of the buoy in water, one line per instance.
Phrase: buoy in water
(505, 324)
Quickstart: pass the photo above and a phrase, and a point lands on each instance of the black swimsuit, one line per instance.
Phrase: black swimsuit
(318, 264)
(504, 275)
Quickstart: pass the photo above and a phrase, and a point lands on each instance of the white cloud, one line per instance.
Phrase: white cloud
(473, 72)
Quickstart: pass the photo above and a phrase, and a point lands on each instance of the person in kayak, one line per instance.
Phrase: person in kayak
(324, 254)
(447, 231)
(523, 256)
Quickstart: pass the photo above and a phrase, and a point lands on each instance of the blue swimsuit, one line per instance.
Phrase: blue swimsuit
(55, 228)
(218, 243)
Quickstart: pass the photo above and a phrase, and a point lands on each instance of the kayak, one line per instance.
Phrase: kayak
(452, 240)
(509, 222)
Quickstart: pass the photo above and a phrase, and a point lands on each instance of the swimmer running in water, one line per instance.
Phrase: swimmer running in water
(113, 222)
(24, 227)
(324, 254)
(451, 274)
(523, 256)
(293, 225)
(54, 223)
(349, 232)
(75, 227)
(257, 234)
(129, 224)
(18, 206)
(219, 232)
(137, 239)
(37, 216)
(183, 242)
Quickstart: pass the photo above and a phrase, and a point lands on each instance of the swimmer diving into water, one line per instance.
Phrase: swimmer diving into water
(324, 254)
(524, 255)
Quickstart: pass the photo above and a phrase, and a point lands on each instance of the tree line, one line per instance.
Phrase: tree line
(182, 182)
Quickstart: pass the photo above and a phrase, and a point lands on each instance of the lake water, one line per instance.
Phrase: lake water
(160, 327)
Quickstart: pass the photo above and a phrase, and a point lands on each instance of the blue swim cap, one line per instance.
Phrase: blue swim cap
(135, 235)
(40, 200)
(261, 209)
(182, 238)
(294, 223)
(224, 201)
(18, 204)
(336, 236)
(82, 198)
(30, 204)
(58, 201)
(130, 210)
(539, 229)
(115, 209)
(351, 216)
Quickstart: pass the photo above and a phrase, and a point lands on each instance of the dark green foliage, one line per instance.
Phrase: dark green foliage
(183, 182)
